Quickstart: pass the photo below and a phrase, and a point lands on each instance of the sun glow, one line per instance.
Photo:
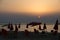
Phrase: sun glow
(35, 7)
(38, 17)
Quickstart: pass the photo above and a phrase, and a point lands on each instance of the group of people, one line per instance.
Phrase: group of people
(10, 27)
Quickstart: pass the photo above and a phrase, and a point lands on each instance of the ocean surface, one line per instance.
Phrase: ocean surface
(31, 29)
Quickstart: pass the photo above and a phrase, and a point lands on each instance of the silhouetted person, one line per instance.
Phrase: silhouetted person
(44, 26)
(19, 26)
(26, 33)
(43, 32)
(16, 29)
(56, 25)
(36, 31)
(27, 26)
(40, 27)
(11, 27)
(52, 31)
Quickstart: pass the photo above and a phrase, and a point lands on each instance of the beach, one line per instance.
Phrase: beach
(32, 36)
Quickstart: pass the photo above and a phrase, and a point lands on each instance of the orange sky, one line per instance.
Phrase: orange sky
(30, 6)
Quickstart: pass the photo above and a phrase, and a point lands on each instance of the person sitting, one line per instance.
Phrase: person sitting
(26, 33)
(52, 31)
(36, 31)
(55, 32)
(4, 32)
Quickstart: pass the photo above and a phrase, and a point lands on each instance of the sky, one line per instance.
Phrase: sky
(35, 7)
(26, 11)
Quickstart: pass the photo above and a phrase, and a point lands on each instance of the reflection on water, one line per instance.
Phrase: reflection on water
(31, 29)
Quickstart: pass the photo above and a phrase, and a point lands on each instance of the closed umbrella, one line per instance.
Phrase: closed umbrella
(56, 25)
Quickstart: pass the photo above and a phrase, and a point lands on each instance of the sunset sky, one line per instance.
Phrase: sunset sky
(30, 6)
(26, 11)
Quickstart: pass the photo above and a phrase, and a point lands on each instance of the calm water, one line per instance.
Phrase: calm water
(31, 29)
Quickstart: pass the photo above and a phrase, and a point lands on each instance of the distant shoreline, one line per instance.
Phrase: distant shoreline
(27, 23)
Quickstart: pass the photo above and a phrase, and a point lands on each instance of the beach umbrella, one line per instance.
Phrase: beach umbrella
(33, 24)
(56, 25)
